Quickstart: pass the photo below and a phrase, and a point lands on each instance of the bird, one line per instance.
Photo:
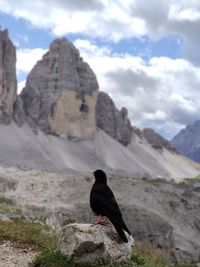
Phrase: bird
(104, 204)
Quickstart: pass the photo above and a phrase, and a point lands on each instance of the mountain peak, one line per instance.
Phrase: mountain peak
(61, 91)
(8, 81)
(187, 141)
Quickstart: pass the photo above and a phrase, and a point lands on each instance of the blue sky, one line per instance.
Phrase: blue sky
(145, 54)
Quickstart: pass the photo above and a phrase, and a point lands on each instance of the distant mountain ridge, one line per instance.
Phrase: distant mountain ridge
(187, 141)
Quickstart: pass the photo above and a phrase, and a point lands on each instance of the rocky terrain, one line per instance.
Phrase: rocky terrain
(12, 255)
(187, 141)
(162, 212)
(60, 127)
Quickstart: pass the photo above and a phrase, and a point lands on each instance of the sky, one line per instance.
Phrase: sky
(145, 54)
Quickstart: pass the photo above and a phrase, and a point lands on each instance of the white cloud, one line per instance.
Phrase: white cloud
(157, 116)
(20, 86)
(114, 19)
(26, 59)
(161, 93)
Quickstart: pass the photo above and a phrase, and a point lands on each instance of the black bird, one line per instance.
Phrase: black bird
(103, 203)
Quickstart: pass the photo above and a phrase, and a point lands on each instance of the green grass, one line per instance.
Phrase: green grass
(28, 233)
(146, 256)
(55, 258)
(51, 258)
(143, 256)
(10, 210)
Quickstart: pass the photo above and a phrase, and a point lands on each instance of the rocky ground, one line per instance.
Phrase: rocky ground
(165, 213)
(13, 255)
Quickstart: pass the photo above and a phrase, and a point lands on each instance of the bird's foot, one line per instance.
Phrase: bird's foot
(102, 221)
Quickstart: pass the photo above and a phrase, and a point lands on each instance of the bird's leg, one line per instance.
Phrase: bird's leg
(103, 220)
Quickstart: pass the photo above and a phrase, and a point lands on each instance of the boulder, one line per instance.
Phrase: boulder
(94, 244)
(60, 93)
(8, 81)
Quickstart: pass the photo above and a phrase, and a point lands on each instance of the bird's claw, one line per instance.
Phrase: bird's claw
(102, 221)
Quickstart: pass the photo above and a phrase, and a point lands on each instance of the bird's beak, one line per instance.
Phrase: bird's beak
(91, 172)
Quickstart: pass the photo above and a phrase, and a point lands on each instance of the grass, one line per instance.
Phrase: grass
(55, 258)
(143, 256)
(10, 210)
(28, 233)
(51, 258)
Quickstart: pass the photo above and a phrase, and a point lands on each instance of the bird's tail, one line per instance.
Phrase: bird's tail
(125, 227)
(121, 233)
(119, 230)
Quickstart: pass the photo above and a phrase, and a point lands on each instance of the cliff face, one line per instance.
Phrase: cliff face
(112, 121)
(8, 82)
(61, 97)
(157, 141)
(61, 91)
(187, 141)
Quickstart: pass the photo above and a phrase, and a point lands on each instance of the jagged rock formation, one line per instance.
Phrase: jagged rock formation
(94, 244)
(61, 91)
(112, 121)
(157, 141)
(8, 82)
(61, 98)
(187, 141)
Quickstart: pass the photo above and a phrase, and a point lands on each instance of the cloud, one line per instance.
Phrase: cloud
(115, 20)
(131, 82)
(162, 93)
(20, 86)
(26, 59)
(95, 18)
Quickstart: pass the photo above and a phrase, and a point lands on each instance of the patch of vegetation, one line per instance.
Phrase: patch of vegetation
(10, 210)
(51, 258)
(142, 257)
(28, 233)
(197, 177)
(146, 256)
(55, 258)
(157, 181)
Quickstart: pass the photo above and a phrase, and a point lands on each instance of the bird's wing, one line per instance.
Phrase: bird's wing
(107, 203)
(105, 200)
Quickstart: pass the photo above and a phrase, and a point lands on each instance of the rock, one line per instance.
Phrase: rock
(93, 243)
(8, 81)
(19, 115)
(157, 141)
(61, 91)
(187, 141)
(114, 122)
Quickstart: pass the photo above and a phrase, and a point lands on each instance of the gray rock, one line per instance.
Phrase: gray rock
(187, 141)
(114, 122)
(8, 81)
(19, 115)
(61, 89)
(93, 244)
(157, 141)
